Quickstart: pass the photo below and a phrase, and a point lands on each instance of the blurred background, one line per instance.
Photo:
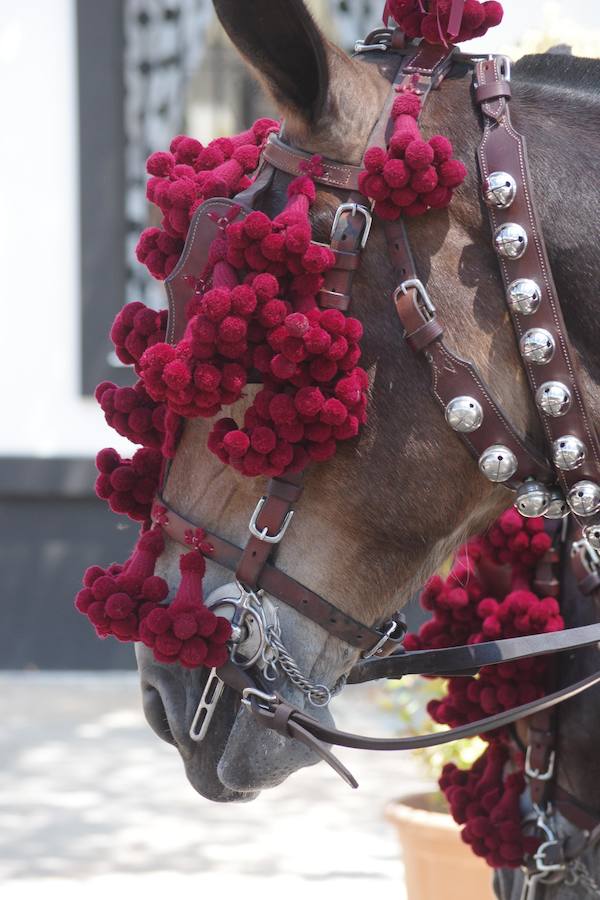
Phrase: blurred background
(89, 89)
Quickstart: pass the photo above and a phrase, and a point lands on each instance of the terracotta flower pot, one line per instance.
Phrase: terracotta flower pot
(438, 865)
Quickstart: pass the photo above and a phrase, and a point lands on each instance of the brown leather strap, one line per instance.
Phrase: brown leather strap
(540, 755)
(451, 375)
(280, 585)
(328, 735)
(467, 658)
(292, 161)
(485, 92)
(545, 581)
(240, 680)
(504, 150)
(277, 509)
(351, 225)
(581, 815)
(343, 259)
(334, 300)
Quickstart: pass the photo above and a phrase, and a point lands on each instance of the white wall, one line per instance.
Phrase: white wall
(525, 21)
(42, 413)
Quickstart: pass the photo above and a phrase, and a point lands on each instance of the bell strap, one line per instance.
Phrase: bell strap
(469, 658)
(452, 376)
(282, 586)
(531, 294)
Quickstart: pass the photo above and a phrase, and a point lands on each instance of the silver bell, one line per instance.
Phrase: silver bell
(568, 452)
(533, 499)
(584, 498)
(464, 414)
(499, 190)
(510, 240)
(558, 507)
(498, 463)
(591, 534)
(553, 398)
(524, 295)
(537, 346)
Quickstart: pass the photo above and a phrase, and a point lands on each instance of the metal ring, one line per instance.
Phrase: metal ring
(320, 689)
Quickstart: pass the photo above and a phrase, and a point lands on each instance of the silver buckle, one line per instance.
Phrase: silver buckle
(589, 556)
(264, 535)
(354, 208)
(503, 64)
(540, 857)
(382, 640)
(363, 47)
(265, 701)
(535, 773)
(383, 40)
(422, 292)
(551, 841)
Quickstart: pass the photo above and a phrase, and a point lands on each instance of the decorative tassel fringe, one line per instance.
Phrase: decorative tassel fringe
(485, 798)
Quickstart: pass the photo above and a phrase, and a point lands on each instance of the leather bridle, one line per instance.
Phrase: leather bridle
(503, 455)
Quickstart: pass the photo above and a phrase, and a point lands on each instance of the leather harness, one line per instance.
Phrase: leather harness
(419, 68)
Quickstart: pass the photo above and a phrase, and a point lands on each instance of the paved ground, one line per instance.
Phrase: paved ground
(92, 804)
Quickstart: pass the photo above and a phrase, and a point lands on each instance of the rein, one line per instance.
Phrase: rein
(568, 484)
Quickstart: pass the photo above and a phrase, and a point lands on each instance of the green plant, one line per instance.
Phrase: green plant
(409, 698)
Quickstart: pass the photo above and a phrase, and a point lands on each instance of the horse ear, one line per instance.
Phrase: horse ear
(280, 40)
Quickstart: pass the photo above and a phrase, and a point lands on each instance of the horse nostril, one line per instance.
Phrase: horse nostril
(156, 716)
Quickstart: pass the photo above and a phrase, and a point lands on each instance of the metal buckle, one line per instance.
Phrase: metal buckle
(354, 208)
(535, 773)
(552, 841)
(382, 39)
(382, 640)
(540, 857)
(416, 283)
(504, 64)
(362, 47)
(267, 699)
(589, 556)
(264, 534)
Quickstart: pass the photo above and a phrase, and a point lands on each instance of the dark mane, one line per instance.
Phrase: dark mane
(556, 69)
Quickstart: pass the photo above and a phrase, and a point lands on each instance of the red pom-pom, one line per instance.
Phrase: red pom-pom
(452, 173)
(419, 154)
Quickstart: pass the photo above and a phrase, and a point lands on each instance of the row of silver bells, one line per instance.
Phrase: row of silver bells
(464, 414)
(536, 499)
(499, 192)
(554, 399)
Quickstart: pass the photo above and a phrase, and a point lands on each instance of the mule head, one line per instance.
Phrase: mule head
(375, 521)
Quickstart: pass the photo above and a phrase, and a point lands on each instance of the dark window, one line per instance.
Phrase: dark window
(102, 162)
